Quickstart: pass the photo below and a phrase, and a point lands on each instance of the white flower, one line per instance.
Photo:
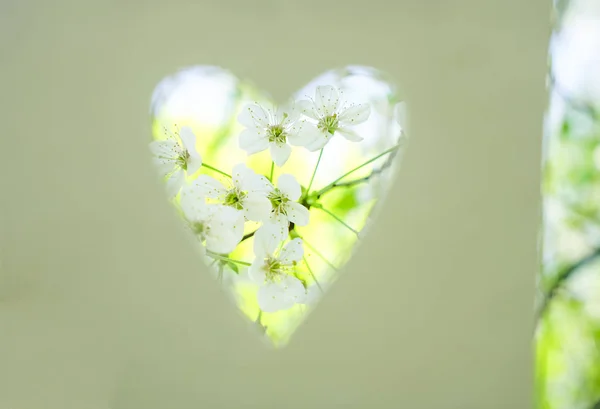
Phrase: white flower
(273, 270)
(284, 203)
(221, 227)
(332, 117)
(273, 129)
(400, 115)
(176, 159)
(246, 192)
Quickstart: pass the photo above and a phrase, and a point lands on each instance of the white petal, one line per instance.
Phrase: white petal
(223, 242)
(319, 143)
(272, 298)
(163, 149)
(252, 116)
(292, 252)
(289, 186)
(239, 173)
(267, 239)
(164, 166)
(209, 186)
(193, 203)
(297, 213)
(193, 164)
(248, 180)
(293, 289)
(305, 135)
(225, 229)
(253, 141)
(256, 207)
(280, 153)
(350, 135)
(256, 271)
(327, 99)
(175, 182)
(227, 218)
(189, 141)
(400, 114)
(355, 115)
(280, 220)
(307, 108)
(287, 115)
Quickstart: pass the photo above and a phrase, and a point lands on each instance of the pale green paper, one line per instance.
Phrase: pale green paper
(103, 303)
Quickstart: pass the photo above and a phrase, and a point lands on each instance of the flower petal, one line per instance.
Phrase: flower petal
(253, 115)
(319, 143)
(306, 134)
(256, 271)
(164, 165)
(289, 186)
(209, 186)
(307, 108)
(327, 99)
(400, 114)
(297, 213)
(350, 135)
(193, 164)
(248, 180)
(163, 149)
(189, 141)
(355, 115)
(280, 153)
(225, 229)
(256, 207)
(292, 252)
(267, 239)
(279, 220)
(253, 141)
(293, 289)
(288, 114)
(175, 182)
(272, 298)
(193, 203)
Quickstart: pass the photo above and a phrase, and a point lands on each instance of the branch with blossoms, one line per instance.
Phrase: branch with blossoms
(217, 208)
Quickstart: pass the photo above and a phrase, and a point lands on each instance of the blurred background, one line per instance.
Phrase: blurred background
(568, 303)
(209, 100)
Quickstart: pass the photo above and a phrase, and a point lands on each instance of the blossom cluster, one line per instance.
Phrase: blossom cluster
(217, 210)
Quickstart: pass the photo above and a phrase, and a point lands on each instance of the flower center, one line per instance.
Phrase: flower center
(276, 134)
(273, 268)
(278, 201)
(329, 124)
(182, 159)
(199, 229)
(235, 198)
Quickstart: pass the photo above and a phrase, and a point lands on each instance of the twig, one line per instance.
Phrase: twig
(358, 181)
(563, 276)
(335, 182)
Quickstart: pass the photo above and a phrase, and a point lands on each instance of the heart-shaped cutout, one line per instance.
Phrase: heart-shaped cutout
(276, 197)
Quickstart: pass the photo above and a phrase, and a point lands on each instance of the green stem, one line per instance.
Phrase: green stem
(317, 252)
(272, 170)
(336, 218)
(312, 274)
(563, 276)
(216, 170)
(332, 184)
(220, 257)
(314, 172)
